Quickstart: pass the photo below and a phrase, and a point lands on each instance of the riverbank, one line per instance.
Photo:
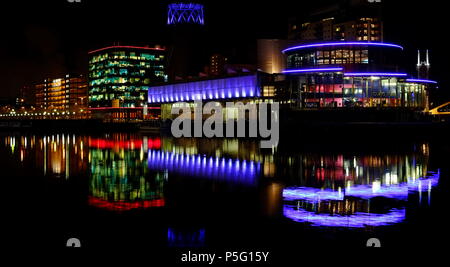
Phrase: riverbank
(314, 124)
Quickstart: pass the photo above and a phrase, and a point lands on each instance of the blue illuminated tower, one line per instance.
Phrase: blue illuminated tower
(185, 13)
(187, 55)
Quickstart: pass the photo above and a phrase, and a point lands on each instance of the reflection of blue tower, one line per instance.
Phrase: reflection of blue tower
(179, 13)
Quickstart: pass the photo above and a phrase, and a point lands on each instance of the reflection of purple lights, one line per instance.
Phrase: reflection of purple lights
(366, 192)
(314, 70)
(235, 87)
(399, 191)
(311, 194)
(240, 171)
(341, 44)
(357, 220)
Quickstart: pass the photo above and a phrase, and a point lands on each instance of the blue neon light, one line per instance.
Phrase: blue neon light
(180, 13)
(228, 88)
(375, 74)
(314, 70)
(226, 169)
(341, 44)
(420, 81)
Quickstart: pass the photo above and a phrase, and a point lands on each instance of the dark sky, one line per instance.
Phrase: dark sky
(49, 38)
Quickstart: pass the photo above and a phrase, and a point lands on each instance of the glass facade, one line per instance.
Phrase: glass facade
(363, 55)
(124, 74)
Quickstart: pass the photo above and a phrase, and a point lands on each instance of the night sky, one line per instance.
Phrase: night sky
(50, 38)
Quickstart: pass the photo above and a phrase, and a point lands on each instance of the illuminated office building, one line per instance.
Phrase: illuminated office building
(120, 76)
(66, 94)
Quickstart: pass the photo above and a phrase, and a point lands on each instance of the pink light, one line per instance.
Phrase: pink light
(126, 46)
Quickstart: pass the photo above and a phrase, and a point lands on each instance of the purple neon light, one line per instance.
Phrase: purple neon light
(420, 81)
(375, 74)
(341, 44)
(231, 170)
(228, 88)
(314, 70)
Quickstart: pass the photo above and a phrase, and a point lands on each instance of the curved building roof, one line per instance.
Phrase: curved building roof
(315, 45)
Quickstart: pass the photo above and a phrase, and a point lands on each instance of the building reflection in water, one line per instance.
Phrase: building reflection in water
(239, 151)
(129, 171)
(120, 179)
(358, 190)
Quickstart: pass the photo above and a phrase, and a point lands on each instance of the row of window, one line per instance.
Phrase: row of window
(117, 72)
(123, 97)
(124, 55)
(327, 57)
(118, 89)
(119, 80)
(125, 64)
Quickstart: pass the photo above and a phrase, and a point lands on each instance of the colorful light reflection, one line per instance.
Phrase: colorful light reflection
(124, 206)
(399, 191)
(357, 220)
(102, 143)
(365, 192)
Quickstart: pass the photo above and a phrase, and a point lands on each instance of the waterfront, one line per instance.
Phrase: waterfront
(138, 190)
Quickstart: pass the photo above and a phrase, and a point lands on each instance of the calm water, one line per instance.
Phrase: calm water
(136, 190)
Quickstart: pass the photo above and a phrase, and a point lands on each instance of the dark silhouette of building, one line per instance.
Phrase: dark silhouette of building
(346, 20)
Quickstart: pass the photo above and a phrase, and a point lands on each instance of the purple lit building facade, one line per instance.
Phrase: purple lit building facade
(352, 74)
(343, 61)
(251, 87)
